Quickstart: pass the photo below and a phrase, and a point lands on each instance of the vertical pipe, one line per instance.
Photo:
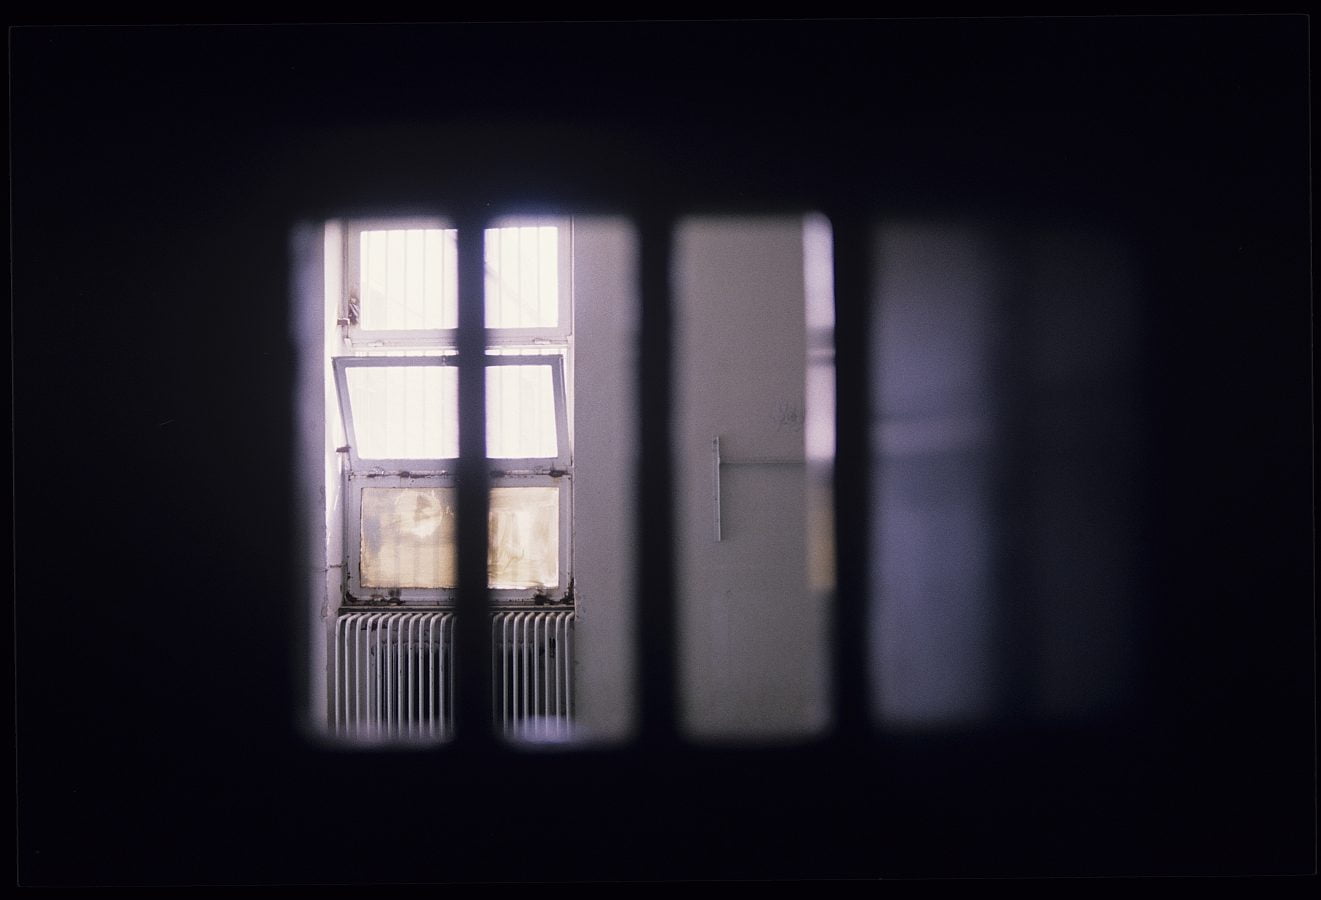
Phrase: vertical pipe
(655, 634)
(495, 668)
(473, 714)
(555, 669)
(526, 647)
(449, 676)
(431, 660)
(442, 676)
(568, 670)
(339, 643)
(389, 718)
(507, 667)
(359, 674)
(499, 666)
(715, 481)
(411, 716)
(396, 643)
(536, 667)
(566, 662)
(363, 675)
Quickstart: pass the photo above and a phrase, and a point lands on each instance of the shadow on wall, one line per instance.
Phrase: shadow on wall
(1005, 434)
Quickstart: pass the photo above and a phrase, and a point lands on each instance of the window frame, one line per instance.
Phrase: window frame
(543, 346)
(560, 463)
(359, 338)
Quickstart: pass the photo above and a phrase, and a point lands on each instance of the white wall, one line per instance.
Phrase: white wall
(753, 661)
(605, 459)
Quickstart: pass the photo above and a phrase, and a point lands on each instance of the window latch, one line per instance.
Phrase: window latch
(352, 318)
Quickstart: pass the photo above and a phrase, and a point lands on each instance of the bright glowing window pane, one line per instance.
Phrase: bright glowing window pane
(525, 537)
(405, 412)
(520, 412)
(522, 277)
(409, 279)
(408, 538)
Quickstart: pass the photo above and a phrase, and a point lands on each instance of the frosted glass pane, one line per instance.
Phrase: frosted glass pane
(405, 412)
(520, 412)
(408, 538)
(522, 277)
(525, 537)
(408, 279)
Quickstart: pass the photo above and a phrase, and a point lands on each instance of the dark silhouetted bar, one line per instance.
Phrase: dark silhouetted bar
(852, 455)
(473, 682)
(656, 636)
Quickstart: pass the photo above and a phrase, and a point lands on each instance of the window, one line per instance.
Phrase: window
(396, 381)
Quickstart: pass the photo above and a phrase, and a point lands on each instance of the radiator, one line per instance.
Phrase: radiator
(394, 675)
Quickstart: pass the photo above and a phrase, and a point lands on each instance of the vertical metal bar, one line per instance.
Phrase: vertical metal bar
(437, 670)
(449, 677)
(372, 662)
(536, 667)
(507, 668)
(339, 643)
(391, 680)
(715, 480)
(558, 643)
(495, 668)
(543, 663)
(562, 697)
(382, 675)
(442, 676)
(359, 691)
(363, 664)
(497, 662)
(568, 670)
(473, 715)
(527, 649)
(396, 644)
(427, 707)
(411, 716)
(655, 636)
(511, 685)
(547, 663)
(566, 661)
(852, 263)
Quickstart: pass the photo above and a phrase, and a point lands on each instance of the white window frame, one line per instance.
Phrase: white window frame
(438, 347)
(359, 338)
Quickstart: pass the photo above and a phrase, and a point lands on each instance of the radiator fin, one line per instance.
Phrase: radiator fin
(393, 675)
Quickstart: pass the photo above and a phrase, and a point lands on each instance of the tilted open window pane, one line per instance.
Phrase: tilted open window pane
(520, 412)
(522, 277)
(408, 279)
(401, 412)
(404, 411)
(407, 538)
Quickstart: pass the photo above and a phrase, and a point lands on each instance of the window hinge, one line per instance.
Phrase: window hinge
(352, 318)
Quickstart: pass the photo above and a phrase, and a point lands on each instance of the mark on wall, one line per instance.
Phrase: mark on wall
(790, 417)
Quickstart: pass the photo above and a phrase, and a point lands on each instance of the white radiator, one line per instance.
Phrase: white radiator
(394, 675)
